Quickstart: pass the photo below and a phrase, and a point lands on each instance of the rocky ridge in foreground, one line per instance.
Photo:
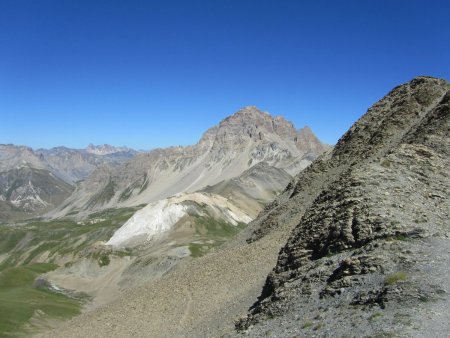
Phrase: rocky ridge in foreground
(369, 254)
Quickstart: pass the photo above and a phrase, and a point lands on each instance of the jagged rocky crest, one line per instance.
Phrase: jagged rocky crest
(240, 141)
(366, 219)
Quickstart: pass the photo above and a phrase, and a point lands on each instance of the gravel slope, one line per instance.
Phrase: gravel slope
(201, 297)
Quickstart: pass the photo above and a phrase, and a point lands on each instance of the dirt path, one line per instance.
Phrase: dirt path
(188, 309)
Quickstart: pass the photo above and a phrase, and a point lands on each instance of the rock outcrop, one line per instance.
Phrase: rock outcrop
(368, 253)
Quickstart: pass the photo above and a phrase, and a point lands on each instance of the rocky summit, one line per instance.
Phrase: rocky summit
(240, 141)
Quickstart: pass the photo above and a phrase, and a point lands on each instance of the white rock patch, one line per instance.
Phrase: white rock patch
(159, 217)
(151, 220)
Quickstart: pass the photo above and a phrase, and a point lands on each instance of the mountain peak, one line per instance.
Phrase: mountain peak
(238, 142)
(250, 110)
(251, 126)
(305, 129)
(253, 116)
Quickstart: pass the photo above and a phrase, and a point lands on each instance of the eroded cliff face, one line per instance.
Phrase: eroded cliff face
(369, 245)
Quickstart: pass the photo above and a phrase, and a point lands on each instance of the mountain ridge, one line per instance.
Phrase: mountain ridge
(224, 151)
(368, 225)
(41, 179)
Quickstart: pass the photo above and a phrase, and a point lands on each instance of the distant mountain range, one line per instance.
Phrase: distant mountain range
(35, 181)
(74, 165)
(240, 141)
(99, 177)
(149, 210)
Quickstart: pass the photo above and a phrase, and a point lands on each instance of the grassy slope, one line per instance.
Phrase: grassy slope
(20, 300)
(58, 237)
(26, 244)
(211, 233)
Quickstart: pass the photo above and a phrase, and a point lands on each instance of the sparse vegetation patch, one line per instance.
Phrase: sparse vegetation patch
(395, 278)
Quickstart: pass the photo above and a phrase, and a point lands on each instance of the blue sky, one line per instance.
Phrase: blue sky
(157, 73)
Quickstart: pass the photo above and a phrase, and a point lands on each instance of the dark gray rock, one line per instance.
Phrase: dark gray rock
(368, 253)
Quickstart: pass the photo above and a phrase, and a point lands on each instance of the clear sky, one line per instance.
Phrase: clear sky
(150, 74)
